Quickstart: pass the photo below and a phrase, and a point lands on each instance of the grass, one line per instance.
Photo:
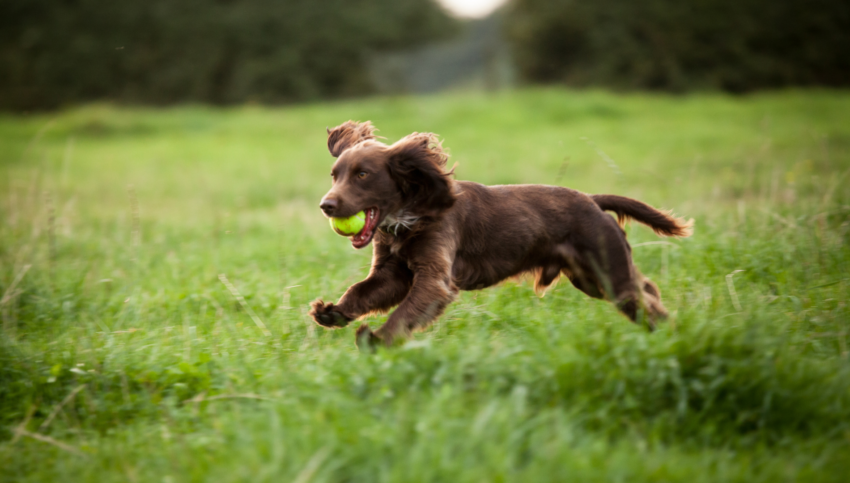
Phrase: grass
(124, 357)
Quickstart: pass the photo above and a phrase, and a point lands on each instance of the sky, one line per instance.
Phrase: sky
(471, 8)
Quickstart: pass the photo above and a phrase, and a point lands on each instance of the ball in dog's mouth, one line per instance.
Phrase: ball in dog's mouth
(349, 226)
(364, 236)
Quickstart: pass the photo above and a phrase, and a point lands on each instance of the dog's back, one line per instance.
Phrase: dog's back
(506, 230)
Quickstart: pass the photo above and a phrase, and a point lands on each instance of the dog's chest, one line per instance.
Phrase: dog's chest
(398, 221)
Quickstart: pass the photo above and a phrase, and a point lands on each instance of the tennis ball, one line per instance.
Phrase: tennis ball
(349, 226)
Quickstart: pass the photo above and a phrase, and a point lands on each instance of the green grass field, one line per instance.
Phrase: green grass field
(124, 357)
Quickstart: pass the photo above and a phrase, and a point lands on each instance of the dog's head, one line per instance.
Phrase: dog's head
(383, 180)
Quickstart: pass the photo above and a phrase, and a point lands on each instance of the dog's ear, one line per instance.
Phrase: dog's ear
(417, 164)
(348, 134)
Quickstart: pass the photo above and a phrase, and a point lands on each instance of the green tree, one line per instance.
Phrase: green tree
(734, 45)
(54, 52)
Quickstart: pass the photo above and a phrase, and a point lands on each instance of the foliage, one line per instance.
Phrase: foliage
(56, 52)
(734, 45)
(128, 216)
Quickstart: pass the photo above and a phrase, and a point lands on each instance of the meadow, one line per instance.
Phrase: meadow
(156, 267)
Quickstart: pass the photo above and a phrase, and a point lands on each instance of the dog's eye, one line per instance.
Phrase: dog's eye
(362, 174)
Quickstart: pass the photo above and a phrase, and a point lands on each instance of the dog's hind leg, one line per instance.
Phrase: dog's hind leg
(580, 273)
(652, 299)
(583, 279)
(650, 288)
(606, 255)
(637, 297)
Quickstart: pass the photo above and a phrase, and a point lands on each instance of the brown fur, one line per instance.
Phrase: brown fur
(460, 235)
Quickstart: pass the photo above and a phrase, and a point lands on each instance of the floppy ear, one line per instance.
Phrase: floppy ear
(417, 164)
(348, 134)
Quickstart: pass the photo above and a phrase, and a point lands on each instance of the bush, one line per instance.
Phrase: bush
(733, 45)
(54, 52)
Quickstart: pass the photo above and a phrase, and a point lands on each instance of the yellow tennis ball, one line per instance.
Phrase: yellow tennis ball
(349, 226)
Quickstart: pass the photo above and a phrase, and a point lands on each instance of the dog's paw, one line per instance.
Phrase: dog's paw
(366, 340)
(328, 315)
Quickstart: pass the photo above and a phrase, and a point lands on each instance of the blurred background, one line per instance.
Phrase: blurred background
(161, 166)
(54, 53)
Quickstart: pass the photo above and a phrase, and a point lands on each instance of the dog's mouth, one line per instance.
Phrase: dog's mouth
(365, 236)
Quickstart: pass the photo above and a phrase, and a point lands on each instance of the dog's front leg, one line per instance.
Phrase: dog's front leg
(387, 285)
(431, 292)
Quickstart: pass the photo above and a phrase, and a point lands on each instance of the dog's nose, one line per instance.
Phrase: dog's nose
(328, 205)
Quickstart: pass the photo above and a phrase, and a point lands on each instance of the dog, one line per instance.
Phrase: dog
(434, 236)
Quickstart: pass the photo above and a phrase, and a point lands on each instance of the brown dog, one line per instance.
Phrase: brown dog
(435, 236)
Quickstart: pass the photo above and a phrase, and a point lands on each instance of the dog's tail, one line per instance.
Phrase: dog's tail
(663, 223)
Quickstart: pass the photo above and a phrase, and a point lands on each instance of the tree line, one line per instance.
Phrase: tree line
(57, 52)
(681, 45)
